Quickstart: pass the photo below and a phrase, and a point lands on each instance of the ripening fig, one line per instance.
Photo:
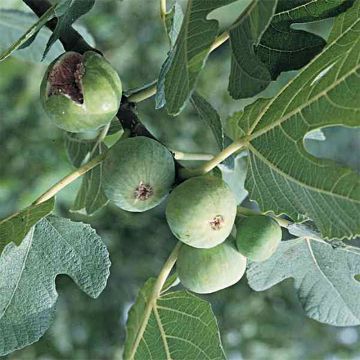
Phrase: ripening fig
(138, 173)
(201, 211)
(258, 237)
(208, 270)
(80, 92)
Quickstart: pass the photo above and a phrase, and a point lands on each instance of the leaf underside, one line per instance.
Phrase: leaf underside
(27, 276)
(14, 228)
(324, 278)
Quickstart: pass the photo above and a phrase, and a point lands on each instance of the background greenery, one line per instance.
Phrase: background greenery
(269, 325)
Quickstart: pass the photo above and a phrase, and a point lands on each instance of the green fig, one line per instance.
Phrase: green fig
(201, 211)
(138, 173)
(81, 92)
(204, 271)
(258, 237)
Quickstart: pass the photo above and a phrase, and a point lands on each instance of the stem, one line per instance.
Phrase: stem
(163, 11)
(249, 212)
(220, 40)
(215, 161)
(160, 281)
(101, 137)
(179, 155)
(143, 93)
(69, 179)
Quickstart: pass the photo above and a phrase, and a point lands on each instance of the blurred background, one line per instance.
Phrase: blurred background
(255, 326)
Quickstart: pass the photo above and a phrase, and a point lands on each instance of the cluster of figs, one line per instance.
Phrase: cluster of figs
(82, 92)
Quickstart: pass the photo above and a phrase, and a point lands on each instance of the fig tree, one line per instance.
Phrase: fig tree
(208, 270)
(201, 211)
(258, 237)
(138, 173)
(80, 92)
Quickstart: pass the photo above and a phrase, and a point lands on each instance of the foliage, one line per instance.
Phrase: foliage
(324, 278)
(268, 153)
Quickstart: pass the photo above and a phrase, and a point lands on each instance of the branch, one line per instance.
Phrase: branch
(215, 161)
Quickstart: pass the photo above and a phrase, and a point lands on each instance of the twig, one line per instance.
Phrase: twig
(69, 179)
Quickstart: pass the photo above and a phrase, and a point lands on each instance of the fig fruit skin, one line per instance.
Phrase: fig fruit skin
(258, 237)
(201, 211)
(205, 271)
(138, 173)
(100, 97)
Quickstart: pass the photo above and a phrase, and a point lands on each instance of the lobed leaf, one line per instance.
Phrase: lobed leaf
(249, 75)
(14, 228)
(324, 278)
(27, 276)
(187, 57)
(283, 48)
(282, 176)
(180, 326)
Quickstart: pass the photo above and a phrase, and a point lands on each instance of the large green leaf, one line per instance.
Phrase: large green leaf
(260, 52)
(180, 326)
(186, 59)
(282, 176)
(15, 227)
(27, 276)
(90, 197)
(248, 74)
(283, 48)
(323, 278)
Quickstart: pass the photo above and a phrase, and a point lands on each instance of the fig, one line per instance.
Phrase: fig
(80, 92)
(258, 237)
(138, 173)
(204, 271)
(201, 211)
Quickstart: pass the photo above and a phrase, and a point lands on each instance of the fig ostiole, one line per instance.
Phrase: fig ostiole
(138, 173)
(205, 271)
(201, 211)
(257, 237)
(81, 92)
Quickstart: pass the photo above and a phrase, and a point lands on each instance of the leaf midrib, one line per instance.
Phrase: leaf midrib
(292, 179)
(264, 111)
(326, 279)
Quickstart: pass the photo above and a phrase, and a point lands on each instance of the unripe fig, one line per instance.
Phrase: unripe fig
(201, 211)
(80, 92)
(138, 173)
(258, 237)
(208, 270)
